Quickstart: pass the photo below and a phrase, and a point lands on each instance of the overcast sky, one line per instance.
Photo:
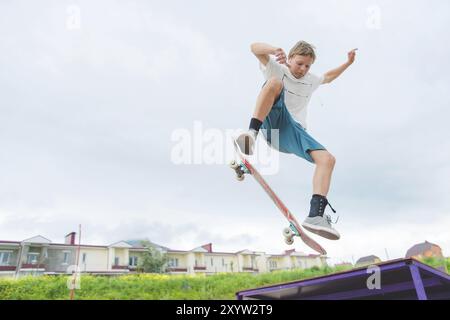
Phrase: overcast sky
(98, 96)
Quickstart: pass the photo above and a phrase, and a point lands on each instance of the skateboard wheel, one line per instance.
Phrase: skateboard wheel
(287, 232)
(233, 165)
(240, 177)
(289, 240)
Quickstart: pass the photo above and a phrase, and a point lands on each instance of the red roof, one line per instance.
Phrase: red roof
(420, 248)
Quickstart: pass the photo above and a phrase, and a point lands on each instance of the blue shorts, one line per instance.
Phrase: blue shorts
(293, 138)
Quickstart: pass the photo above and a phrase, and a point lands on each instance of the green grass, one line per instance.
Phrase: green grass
(158, 286)
(438, 263)
(150, 286)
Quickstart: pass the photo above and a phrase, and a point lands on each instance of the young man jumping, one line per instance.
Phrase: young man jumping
(282, 104)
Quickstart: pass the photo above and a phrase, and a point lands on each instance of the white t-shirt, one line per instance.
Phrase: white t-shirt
(297, 92)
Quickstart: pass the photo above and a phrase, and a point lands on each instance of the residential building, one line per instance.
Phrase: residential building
(424, 250)
(366, 261)
(39, 255)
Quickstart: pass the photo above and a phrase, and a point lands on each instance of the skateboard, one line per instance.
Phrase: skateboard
(243, 167)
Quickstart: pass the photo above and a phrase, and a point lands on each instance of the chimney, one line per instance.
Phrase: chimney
(208, 247)
(70, 238)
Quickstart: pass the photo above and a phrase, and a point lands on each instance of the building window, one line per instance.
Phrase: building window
(66, 257)
(223, 262)
(4, 258)
(273, 264)
(173, 262)
(84, 257)
(133, 261)
(32, 258)
(116, 261)
(212, 263)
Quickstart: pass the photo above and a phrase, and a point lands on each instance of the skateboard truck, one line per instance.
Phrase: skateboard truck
(289, 234)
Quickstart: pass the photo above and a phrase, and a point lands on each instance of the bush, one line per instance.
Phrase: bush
(438, 263)
(148, 286)
(158, 286)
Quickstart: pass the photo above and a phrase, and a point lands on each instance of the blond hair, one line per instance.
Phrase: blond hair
(303, 48)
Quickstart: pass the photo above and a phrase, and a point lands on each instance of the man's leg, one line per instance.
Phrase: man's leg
(264, 103)
(316, 222)
(325, 162)
(267, 97)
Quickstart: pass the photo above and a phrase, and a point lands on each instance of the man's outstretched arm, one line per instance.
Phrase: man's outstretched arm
(333, 74)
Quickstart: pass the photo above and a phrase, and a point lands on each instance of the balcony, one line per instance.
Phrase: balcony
(33, 266)
(173, 269)
(7, 268)
(200, 268)
(119, 267)
(250, 269)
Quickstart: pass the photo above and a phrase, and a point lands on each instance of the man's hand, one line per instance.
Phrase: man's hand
(351, 56)
(281, 56)
(263, 50)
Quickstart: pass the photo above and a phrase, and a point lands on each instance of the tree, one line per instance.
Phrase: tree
(153, 260)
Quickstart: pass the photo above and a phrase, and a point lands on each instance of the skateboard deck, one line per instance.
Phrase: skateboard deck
(242, 167)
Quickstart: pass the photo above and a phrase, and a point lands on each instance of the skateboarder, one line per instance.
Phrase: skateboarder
(282, 104)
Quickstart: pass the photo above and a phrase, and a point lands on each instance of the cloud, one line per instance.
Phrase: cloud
(182, 236)
(87, 116)
(395, 234)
